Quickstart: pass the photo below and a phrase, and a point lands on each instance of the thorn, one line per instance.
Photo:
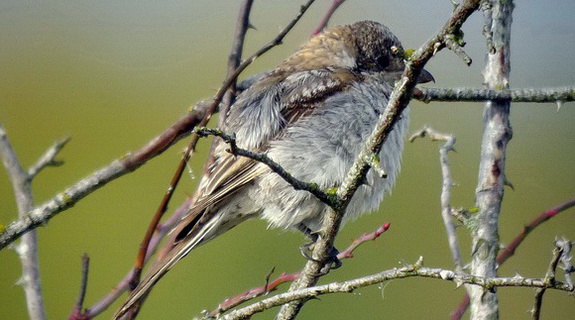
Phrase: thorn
(559, 104)
(508, 183)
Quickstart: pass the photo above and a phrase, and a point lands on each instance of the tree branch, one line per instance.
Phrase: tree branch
(27, 249)
(48, 158)
(248, 295)
(415, 270)
(445, 190)
(274, 166)
(398, 102)
(117, 168)
(491, 181)
(553, 95)
(77, 313)
(509, 249)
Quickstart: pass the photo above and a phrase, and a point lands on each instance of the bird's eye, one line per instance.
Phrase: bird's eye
(382, 62)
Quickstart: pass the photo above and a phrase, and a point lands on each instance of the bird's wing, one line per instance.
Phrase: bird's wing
(298, 94)
(304, 91)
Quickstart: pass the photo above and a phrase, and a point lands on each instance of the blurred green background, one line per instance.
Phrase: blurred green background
(114, 74)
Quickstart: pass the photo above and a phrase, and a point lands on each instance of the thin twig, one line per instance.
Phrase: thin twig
(123, 285)
(234, 60)
(325, 20)
(456, 45)
(549, 279)
(235, 56)
(117, 168)
(48, 158)
(274, 166)
(77, 313)
(445, 190)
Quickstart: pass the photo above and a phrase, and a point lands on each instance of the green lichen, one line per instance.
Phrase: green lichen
(66, 198)
(473, 210)
(408, 53)
(331, 191)
(2, 228)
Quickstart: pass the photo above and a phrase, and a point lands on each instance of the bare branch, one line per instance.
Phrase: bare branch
(274, 166)
(549, 279)
(552, 95)
(248, 295)
(48, 158)
(398, 102)
(445, 190)
(235, 56)
(415, 270)
(234, 60)
(117, 168)
(77, 311)
(27, 249)
(455, 44)
(491, 181)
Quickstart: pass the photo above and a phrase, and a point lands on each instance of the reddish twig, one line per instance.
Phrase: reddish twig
(330, 11)
(77, 313)
(141, 258)
(247, 295)
(348, 253)
(230, 80)
(234, 60)
(509, 250)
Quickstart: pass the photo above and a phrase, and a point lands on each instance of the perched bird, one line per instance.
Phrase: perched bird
(311, 115)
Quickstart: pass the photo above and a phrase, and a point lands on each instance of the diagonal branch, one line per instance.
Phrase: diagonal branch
(48, 158)
(274, 166)
(399, 99)
(182, 128)
(117, 168)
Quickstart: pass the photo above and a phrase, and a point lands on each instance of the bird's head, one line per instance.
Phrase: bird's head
(364, 46)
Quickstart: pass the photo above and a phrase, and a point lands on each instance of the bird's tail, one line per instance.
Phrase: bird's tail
(132, 306)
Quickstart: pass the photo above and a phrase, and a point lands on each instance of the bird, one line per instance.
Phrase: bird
(311, 115)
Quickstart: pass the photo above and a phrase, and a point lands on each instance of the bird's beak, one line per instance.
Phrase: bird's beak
(425, 76)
